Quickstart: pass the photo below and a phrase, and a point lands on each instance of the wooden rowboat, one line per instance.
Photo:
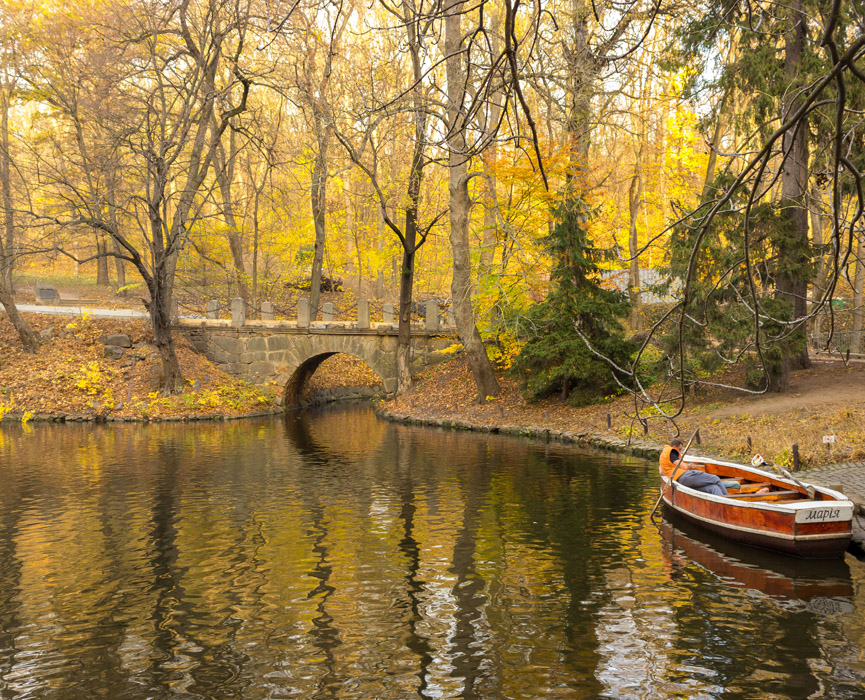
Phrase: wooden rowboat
(784, 519)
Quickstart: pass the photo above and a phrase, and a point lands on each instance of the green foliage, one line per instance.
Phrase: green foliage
(554, 357)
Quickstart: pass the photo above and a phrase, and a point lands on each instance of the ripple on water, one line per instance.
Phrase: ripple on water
(335, 556)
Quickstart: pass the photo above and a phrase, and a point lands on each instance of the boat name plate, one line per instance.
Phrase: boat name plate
(829, 514)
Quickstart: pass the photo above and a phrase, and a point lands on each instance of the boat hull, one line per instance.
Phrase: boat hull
(815, 529)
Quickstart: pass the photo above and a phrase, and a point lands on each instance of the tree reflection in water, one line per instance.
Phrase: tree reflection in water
(332, 555)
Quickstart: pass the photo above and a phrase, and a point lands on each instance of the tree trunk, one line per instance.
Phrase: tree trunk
(111, 187)
(160, 285)
(713, 151)
(490, 159)
(460, 207)
(791, 283)
(858, 288)
(406, 283)
(224, 172)
(102, 261)
(255, 234)
(635, 198)
(582, 74)
(409, 237)
(119, 268)
(160, 316)
(824, 267)
(29, 340)
(318, 198)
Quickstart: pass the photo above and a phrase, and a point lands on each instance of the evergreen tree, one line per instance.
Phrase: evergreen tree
(555, 357)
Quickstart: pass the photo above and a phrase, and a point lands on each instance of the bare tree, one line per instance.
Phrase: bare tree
(414, 103)
(8, 240)
(456, 117)
(177, 85)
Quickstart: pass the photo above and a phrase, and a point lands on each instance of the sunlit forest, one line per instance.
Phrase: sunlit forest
(659, 188)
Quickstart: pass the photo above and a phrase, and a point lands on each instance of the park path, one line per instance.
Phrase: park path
(92, 311)
(80, 310)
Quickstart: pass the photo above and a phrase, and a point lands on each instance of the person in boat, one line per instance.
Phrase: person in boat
(671, 463)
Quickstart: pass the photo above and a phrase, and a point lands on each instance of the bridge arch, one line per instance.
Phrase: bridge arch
(308, 352)
(294, 387)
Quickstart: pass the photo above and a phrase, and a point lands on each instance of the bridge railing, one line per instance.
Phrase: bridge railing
(432, 314)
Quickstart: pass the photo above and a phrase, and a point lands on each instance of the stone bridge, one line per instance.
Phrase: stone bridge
(287, 353)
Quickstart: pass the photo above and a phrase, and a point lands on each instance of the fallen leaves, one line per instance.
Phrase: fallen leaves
(71, 375)
(448, 391)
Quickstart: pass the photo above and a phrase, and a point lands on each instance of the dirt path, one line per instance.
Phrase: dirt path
(828, 384)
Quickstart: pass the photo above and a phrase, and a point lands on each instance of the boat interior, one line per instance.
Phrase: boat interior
(745, 485)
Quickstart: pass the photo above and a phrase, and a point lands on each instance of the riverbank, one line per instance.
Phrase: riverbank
(828, 399)
(108, 370)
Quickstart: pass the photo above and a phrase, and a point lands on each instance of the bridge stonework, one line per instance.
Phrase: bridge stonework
(287, 355)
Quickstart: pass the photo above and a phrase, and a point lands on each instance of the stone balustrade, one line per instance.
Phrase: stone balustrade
(305, 319)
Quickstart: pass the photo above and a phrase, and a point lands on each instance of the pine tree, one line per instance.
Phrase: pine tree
(555, 357)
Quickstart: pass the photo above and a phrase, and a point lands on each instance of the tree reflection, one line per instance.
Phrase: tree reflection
(417, 643)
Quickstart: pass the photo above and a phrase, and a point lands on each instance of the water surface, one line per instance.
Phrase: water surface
(332, 555)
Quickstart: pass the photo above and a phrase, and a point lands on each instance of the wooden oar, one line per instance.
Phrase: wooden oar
(807, 488)
(673, 475)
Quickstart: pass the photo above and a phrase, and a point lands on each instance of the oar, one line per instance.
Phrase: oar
(807, 488)
(673, 475)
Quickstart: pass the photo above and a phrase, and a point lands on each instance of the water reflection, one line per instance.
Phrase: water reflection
(824, 586)
(331, 555)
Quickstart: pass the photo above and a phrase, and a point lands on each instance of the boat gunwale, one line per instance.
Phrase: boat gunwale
(789, 508)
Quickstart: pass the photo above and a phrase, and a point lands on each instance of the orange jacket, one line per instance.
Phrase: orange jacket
(667, 465)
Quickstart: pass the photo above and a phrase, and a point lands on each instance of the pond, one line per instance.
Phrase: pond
(332, 555)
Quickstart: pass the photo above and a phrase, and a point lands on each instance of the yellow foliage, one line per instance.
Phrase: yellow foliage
(452, 349)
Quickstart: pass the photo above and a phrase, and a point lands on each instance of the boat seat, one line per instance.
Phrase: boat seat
(769, 494)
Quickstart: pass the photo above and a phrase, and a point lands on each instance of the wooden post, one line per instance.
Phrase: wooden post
(645, 427)
(795, 457)
(749, 444)
(609, 421)
(697, 437)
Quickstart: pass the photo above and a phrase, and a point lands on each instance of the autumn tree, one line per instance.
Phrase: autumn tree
(172, 86)
(11, 37)
(458, 53)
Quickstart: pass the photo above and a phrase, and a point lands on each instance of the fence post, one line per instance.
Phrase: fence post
(266, 311)
(432, 315)
(327, 312)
